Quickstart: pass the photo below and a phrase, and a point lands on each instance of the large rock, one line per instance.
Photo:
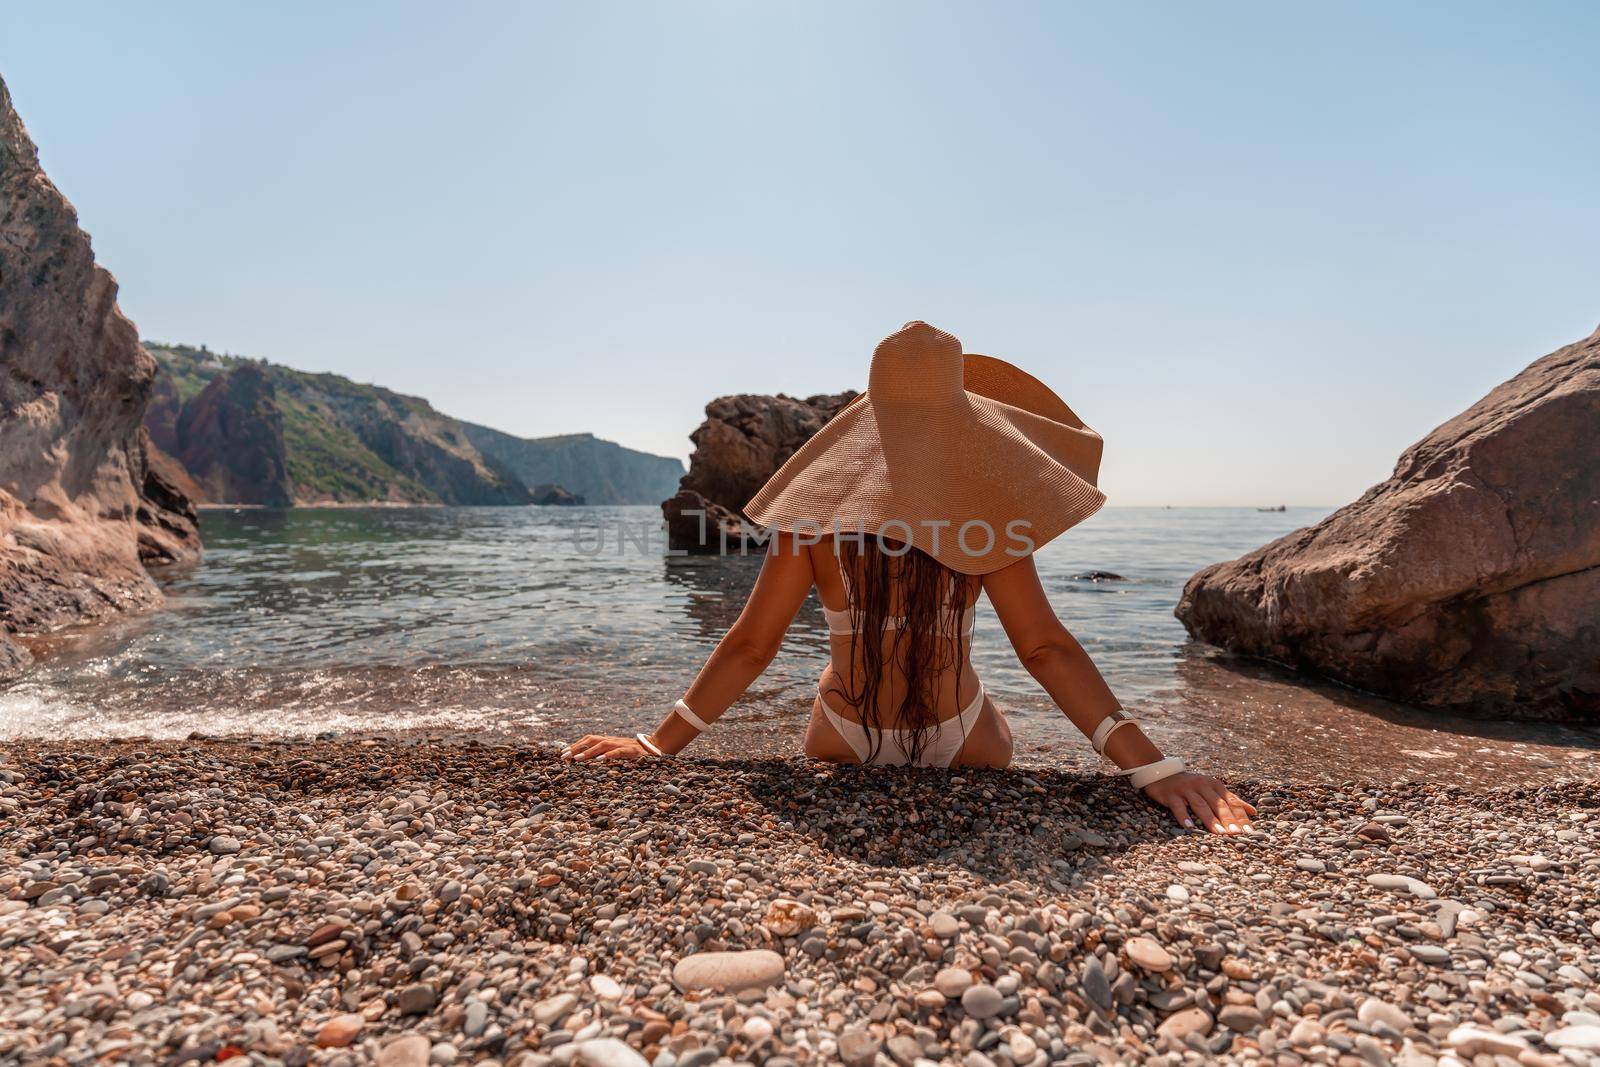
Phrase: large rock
(742, 442)
(548, 493)
(1467, 582)
(82, 510)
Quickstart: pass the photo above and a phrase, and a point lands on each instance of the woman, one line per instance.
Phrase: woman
(937, 483)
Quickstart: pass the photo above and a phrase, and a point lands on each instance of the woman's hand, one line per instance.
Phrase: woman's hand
(1199, 796)
(596, 746)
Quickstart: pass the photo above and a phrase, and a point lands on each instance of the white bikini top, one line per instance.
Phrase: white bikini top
(839, 621)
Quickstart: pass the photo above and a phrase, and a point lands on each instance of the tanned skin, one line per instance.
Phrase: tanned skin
(793, 567)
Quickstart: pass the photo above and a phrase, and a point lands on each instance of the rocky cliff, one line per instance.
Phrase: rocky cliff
(253, 432)
(230, 440)
(742, 442)
(1467, 582)
(258, 432)
(82, 509)
(601, 472)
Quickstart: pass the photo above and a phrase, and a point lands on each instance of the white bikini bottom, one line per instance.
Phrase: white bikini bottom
(940, 746)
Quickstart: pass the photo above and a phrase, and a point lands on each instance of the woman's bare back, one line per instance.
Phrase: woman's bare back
(987, 741)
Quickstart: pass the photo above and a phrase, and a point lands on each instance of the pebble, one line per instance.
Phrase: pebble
(982, 1001)
(1586, 1038)
(951, 982)
(729, 971)
(1181, 1024)
(787, 918)
(1239, 1017)
(1148, 953)
(1307, 1032)
(859, 1048)
(1410, 885)
(417, 999)
(1469, 1039)
(1095, 983)
(552, 1010)
(1433, 955)
(339, 1031)
(1022, 1047)
(410, 1050)
(223, 845)
(546, 909)
(1373, 1010)
(608, 1052)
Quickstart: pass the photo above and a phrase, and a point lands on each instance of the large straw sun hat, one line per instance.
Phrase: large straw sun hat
(965, 457)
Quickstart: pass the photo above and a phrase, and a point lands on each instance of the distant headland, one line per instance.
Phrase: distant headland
(234, 430)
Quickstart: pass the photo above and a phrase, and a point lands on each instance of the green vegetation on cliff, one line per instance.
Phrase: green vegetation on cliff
(345, 442)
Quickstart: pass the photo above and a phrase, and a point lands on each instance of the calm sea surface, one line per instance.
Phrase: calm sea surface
(551, 622)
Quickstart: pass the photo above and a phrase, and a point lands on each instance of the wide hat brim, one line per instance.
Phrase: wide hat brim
(978, 475)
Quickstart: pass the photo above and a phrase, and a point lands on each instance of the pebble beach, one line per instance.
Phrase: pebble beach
(412, 901)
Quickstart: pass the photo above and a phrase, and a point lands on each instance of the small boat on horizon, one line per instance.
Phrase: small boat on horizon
(1280, 507)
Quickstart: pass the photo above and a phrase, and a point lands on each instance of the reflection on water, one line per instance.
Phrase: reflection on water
(553, 621)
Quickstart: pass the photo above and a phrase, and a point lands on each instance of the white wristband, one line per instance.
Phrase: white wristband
(1107, 727)
(649, 745)
(1154, 772)
(690, 717)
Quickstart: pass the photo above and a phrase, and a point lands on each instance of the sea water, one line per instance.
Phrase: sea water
(547, 623)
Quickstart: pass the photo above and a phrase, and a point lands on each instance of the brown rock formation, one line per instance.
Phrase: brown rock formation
(742, 442)
(81, 509)
(1468, 582)
(230, 440)
(548, 493)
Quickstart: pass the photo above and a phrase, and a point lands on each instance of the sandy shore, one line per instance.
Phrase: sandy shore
(416, 902)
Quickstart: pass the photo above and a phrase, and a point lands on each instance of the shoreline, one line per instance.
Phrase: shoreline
(417, 898)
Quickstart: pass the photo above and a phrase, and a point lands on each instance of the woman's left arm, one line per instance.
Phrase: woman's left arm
(1055, 658)
(740, 657)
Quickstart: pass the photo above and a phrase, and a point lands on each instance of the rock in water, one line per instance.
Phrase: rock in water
(742, 443)
(729, 971)
(550, 494)
(81, 510)
(1466, 582)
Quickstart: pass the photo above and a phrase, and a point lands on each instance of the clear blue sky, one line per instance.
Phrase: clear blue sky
(1260, 246)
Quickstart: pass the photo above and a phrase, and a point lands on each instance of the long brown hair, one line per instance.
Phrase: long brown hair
(930, 593)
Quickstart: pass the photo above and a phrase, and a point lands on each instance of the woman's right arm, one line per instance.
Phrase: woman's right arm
(740, 657)
(1059, 663)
